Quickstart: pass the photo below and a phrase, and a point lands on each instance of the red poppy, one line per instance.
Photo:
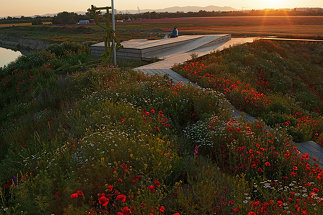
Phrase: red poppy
(312, 193)
(315, 190)
(74, 196)
(251, 213)
(126, 211)
(123, 166)
(121, 198)
(162, 209)
(293, 174)
(151, 188)
(157, 183)
(80, 193)
(103, 200)
(267, 164)
(306, 156)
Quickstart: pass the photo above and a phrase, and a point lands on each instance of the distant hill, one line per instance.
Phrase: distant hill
(168, 9)
(182, 9)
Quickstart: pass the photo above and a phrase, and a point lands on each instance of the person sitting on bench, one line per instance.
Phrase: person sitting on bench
(174, 33)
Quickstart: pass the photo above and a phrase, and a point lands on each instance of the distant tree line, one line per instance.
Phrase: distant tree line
(73, 18)
(68, 18)
(60, 18)
(203, 13)
(34, 20)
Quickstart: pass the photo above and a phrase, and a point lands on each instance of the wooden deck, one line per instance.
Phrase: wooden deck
(142, 49)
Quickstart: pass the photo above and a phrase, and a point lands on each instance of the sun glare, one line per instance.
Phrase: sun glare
(273, 3)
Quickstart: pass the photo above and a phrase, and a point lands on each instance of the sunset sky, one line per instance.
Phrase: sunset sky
(39, 7)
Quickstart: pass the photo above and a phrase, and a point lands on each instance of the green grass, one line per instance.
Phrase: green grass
(95, 139)
(281, 26)
(68, 33)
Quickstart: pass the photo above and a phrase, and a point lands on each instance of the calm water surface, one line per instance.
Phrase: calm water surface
(7, 56)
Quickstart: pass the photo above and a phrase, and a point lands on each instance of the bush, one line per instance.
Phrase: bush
(67, 49)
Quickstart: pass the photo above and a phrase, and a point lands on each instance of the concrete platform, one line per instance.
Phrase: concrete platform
(143, 49)
(184, 53)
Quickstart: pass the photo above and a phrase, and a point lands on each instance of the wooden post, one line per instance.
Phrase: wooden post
(110, 50)
(113, 41)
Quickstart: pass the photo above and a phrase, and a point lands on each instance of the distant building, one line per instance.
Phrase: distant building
(83, 22)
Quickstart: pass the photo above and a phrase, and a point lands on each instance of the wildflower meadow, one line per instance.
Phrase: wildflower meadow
(278, 82)
(80, 137)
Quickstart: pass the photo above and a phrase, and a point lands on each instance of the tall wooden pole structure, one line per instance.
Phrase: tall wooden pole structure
(114, 30)
(110, 50)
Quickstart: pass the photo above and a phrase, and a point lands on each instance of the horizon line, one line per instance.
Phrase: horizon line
(152, 10)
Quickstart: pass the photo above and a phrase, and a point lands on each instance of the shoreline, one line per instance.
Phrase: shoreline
(22, 44)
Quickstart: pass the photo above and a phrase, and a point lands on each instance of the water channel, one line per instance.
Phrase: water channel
(7, 56)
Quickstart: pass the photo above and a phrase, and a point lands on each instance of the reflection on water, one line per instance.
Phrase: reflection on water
(7, 56)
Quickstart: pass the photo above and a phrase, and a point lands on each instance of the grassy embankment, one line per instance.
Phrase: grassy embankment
(279, 82)
(282, 26)
(69, 33)
(78, 137)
